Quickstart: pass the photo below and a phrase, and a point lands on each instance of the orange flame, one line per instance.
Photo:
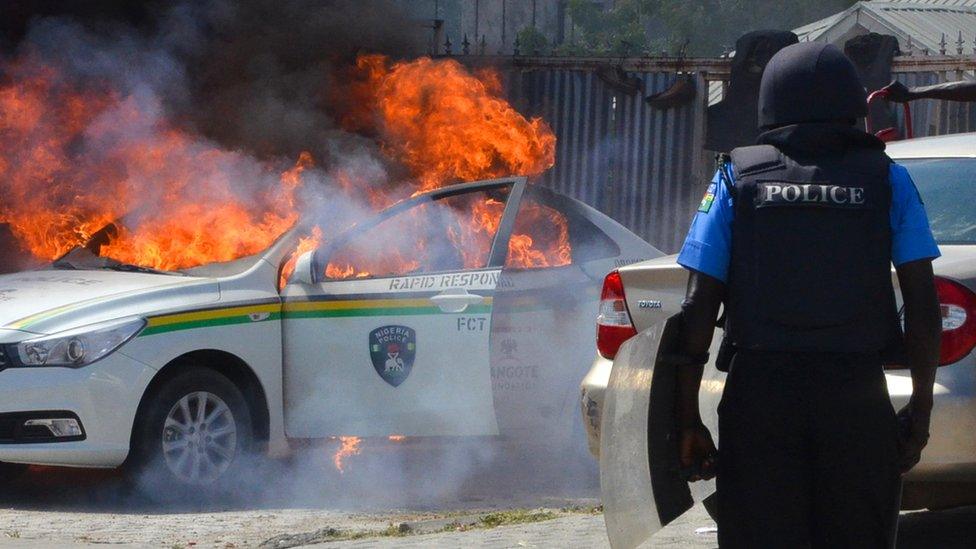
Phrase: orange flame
(349, 447)
(540, 238)
(74, 159)
(305, 244)
(446, 124)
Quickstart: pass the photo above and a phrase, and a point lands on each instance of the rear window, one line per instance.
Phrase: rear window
(946, 186)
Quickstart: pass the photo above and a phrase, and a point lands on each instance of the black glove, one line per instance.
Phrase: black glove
(898, 92)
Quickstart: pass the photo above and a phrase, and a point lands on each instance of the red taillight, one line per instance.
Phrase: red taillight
(613, 325)
(958, 304)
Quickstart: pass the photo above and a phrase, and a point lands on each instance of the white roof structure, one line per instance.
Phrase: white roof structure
(918, 24)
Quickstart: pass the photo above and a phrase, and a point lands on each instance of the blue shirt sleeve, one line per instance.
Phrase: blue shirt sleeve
(911, 236)
(708, 246)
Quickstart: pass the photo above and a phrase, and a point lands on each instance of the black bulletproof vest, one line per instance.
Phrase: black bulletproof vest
(811, 247)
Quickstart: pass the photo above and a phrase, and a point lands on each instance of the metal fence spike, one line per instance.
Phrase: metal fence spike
(447, 44)
(516, 51)
(942, 45)
(959, 44)
(483, 45)
(465, 46)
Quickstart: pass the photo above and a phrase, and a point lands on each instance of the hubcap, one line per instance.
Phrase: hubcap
(199, 438)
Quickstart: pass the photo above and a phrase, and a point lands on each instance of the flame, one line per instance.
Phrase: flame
(75, 159)
(447, 124)
(540, 238)
(305, 244)
(349, 447)
(397, 438)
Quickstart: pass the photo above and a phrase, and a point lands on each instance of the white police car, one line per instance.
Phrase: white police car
(412, 323)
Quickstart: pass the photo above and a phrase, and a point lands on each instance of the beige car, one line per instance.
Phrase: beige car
(638, 299)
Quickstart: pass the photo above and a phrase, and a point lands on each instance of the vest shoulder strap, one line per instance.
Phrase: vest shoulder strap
(871, 161)
(756, 159)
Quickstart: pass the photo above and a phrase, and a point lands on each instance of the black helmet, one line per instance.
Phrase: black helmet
(810, 82)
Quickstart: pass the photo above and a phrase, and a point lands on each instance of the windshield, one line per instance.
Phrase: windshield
(945, 185)
(83, 258)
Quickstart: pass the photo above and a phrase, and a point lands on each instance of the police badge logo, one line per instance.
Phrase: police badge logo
(392, 349)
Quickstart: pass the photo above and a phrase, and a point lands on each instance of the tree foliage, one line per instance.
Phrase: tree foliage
(698, 27)
(532, 41)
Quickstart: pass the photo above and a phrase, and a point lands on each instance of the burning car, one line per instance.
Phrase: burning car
(427, 320)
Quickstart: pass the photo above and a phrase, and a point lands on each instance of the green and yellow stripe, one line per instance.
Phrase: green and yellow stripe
(35, 318)
(371, 307)
(298, 309)
(211, 317)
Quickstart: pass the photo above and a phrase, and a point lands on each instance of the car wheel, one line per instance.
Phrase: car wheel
(10, 472)
(191, 436)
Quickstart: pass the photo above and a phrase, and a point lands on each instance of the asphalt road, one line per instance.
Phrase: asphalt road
(83, 509)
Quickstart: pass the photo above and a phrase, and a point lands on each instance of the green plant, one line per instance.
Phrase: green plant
(531, 41)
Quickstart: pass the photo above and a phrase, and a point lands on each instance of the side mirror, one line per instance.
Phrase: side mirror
(303, 269)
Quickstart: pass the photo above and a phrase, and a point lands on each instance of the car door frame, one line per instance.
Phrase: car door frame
(499, 246)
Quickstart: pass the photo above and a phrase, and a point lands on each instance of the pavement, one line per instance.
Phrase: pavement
(692, 530)
(59, 508)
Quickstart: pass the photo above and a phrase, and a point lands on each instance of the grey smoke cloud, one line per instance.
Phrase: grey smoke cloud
(264, 75)
(248, 85)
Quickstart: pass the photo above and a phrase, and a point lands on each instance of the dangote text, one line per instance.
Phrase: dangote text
(776, 194)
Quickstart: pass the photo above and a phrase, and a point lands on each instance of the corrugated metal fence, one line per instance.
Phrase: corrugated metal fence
(646, 167)
(638, 164)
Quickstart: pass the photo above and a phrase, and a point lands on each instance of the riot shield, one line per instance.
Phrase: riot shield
(640, 481)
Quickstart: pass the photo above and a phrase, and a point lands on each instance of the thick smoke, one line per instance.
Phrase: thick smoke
(268, 76)
(264, 76)
(188, 103)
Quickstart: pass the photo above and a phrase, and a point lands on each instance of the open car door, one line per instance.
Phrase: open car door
(391, 335)
(640, 482)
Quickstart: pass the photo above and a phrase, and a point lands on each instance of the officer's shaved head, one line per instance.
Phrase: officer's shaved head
(810, 82)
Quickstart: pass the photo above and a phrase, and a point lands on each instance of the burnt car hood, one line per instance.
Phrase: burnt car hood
(30, 299)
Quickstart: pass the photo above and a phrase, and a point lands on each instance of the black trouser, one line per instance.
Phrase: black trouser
(807, 453)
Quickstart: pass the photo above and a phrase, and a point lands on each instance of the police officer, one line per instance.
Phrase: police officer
(797, 236)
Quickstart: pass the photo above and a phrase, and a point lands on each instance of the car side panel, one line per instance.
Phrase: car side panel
(245, 323)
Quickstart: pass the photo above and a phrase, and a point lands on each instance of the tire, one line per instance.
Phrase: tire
(178, 454)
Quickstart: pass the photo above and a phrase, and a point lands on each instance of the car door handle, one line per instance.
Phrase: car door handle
(456, 300)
